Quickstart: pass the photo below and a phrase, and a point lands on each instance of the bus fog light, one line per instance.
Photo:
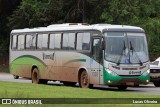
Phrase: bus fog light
(146, 72)
(147, 81)
(109, 81)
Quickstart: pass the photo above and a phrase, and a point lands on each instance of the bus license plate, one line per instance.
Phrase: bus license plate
(130, 83)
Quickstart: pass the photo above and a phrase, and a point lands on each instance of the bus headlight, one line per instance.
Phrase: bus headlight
(146, 72)
(111, 72)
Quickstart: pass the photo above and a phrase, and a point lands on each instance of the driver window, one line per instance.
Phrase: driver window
(96, 49)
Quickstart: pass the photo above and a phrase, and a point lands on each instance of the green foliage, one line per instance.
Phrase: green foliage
(35, 13)
(6, 8)
(121, 12)
(29, 14)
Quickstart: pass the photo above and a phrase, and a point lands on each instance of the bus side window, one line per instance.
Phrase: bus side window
(14, 42)
(52, 41)
(71, 41)
(57, 41)
(21, 39)
(68, 41)
(86, 41)
(42, 41)
(30, 41)
(83, 41)
(96, 49)
(65, 41)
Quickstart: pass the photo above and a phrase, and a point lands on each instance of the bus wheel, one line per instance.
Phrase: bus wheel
(157, 84)
(84, 80)
(15, 77)
(122, 87)
(69, 83)
(35, 76)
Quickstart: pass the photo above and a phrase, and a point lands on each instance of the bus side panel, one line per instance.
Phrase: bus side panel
(22, 62)
(55, 70)
(19, 65)
(68, 66)
(84, 61)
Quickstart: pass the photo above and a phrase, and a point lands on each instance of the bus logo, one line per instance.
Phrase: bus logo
(51, 56)
(134, 72)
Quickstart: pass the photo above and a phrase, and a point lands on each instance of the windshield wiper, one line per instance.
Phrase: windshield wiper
(124, 48)
(131, 48)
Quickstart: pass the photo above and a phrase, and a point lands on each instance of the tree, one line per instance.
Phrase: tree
(121, 12)
(143, 13)
(6, 9)
(29, 14)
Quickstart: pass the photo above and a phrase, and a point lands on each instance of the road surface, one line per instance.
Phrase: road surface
(142, 89)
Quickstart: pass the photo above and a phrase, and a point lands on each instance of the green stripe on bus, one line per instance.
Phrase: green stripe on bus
(107, 77)
(26, 62)
(76, 60)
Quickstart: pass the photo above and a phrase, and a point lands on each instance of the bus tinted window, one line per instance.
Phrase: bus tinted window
(57, 41)
(65, 41)
(71, 43)
(42, 41)
(14, 42)
(30, 41)
(52, 38)
(21, 42)
(83, 41)
(68, 41)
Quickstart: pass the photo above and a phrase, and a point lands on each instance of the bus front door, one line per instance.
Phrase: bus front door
(95, 61)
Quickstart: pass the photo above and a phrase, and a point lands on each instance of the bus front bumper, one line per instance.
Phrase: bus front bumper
(125, 80)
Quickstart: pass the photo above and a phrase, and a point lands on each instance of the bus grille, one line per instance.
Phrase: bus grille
(129, 68)
(130, 80)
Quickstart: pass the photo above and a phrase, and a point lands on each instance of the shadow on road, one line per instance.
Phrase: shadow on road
(106, 88)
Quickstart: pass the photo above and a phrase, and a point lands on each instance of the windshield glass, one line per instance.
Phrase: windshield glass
(122, 47)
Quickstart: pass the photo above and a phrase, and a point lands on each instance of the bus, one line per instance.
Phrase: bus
(98, 54)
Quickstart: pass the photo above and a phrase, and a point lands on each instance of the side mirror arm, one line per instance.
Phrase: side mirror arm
(103, 45)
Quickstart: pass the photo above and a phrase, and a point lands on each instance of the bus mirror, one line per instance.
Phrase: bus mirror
(103, 45)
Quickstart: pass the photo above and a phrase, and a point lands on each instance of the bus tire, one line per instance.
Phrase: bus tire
(156, 83)
(122, 87)
(36, 79)
(15, 77)
(35, 76)
(84, 80)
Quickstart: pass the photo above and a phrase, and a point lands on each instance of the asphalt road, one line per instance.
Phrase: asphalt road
(142, 89)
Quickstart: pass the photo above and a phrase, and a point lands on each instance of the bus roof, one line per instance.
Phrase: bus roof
(80, 26)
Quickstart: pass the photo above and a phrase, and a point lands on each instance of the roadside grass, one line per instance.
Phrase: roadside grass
(28, 90)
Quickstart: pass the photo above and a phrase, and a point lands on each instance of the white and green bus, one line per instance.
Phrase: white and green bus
(99, 54)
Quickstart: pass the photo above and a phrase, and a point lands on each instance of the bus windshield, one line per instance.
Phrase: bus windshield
(126, 47)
